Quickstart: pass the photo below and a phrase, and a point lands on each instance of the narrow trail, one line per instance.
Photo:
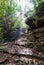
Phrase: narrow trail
(20, 52)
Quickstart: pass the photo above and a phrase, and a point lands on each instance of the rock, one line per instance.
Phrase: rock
(14, 49)
(3, 57)
(9, 64)
(21, 41)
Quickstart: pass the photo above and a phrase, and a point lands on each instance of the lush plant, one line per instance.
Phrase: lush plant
(40, 10)
(7, 12)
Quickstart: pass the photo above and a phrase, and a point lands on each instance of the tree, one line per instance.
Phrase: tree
(7, 9)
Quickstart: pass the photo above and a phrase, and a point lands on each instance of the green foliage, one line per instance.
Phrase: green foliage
(32, 12)
(1, 33)
(8, 16)
(29, 13)
(7, 9)
(40, 9)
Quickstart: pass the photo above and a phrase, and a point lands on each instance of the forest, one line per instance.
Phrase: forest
(21, 32)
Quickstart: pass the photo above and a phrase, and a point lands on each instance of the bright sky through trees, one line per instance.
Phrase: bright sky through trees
(24, 5)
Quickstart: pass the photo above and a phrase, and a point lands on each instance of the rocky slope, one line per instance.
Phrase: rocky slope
(24, 51)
